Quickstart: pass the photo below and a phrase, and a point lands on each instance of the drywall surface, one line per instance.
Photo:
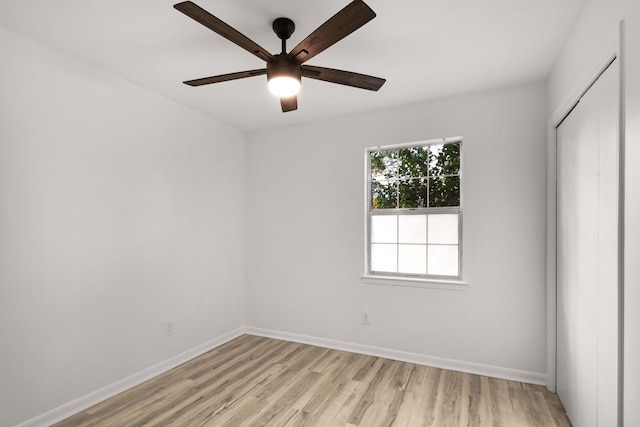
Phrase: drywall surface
(305, 232)
(591, 36)
(594, 32)
(118, 210)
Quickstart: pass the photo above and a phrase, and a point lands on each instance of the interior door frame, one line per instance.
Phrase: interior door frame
(614, 50)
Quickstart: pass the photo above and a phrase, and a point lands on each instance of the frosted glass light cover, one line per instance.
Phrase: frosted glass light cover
(412, 229)
(284, 86)
(412, 259)
(384, 229)
(443, 260)
(443, 229)
(384, 257)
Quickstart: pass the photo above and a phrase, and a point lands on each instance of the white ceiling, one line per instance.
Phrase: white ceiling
(425, 49)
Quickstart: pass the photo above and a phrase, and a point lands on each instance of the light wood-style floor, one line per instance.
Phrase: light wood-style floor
(255, 381)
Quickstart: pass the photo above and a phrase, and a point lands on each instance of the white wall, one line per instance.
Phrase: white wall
(590, 37)
(305, 195)
(118, 209)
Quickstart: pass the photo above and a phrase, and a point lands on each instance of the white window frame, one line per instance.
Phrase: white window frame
(400, 279)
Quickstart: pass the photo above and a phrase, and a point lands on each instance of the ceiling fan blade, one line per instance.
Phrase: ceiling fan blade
(289, 103)
(347, 78)
(339, 26)
(197, 13)
(225, 77)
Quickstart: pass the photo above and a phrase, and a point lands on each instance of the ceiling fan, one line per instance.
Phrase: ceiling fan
(285, 70)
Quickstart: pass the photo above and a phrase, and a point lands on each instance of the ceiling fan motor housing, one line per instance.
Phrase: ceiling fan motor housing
(284, 66)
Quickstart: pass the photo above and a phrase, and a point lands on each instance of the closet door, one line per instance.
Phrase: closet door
(577, 263)
(587, 256)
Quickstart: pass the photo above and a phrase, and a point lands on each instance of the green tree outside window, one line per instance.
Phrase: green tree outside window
(416, 177)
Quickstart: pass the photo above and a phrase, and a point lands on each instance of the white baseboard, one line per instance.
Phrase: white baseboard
(420, 359)
(60, 413)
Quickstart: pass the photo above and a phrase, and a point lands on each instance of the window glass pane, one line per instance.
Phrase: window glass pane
(445, 159)
(443, 228)
(444, 191)
(413, 193)
(412, 229)
(434, 151)
(384, 194)
(384, 164)
(443, 260)
(414, 162)
(384, 258)
(384, 229)
(412, 259)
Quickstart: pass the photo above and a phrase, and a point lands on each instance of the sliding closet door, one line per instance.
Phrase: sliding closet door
(587, 254)
(577, 264)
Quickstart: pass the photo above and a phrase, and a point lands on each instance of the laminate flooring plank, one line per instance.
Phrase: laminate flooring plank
(485, 415)
(347, 364)
(260, 398)
(340, 406)
(410, 400)
(349, 399)
(294, 367)
(367, 369)
(131, 398)
(205, 403)
(392, 389)
(400, 375)
(501, 404)
(219, 361)
(211, 407)
(400, 383)
(79, 419)
(334, 389)
(197, 383)
(284, 418)
(325, 364)
(155, 405)
(530, 406)
(556, 409)
(472, 396)
(367, 398)
(281, 402)
(300, 419)
(218, 388)
(254, 381)
(423, 392)
(463, 403)
(449, 401)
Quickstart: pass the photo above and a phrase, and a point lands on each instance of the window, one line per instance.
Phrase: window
(414, 211)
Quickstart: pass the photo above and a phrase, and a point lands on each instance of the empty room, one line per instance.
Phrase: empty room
(320, 213)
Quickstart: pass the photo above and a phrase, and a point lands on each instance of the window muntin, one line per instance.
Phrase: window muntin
(414, 210)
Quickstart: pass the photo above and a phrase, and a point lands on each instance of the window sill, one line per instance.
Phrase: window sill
(449, 285)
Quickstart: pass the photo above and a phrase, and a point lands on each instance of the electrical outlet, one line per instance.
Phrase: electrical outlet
(169, 328)
(365, 318)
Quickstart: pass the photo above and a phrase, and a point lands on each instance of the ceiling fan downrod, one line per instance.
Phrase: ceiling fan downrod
(283, 27)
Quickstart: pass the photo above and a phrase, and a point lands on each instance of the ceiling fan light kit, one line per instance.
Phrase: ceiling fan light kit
(284, 74)
(285, 70)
